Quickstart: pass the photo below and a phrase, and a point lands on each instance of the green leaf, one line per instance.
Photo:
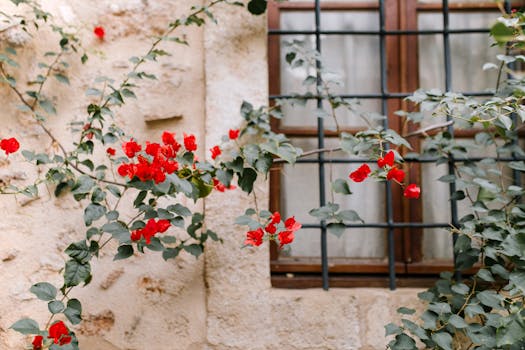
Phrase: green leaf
(44, 291)
(341, 186)
(403, 342)
(93, 212)
(440, 308)
(73, 311)
(247, 179)
(170, 253)
(76, 273)
(517, 278)
(118, 230)
(47, 106)
(193, 249)
(62, 78)
(485, 275)
(264, 163)
(55, 306)
(140, 198)
(26, 326)
(79, 251)
(406, 311)
(457, 321)
(224, 176)
(490, 298)
(392, 328)
(179, 209)
(336, 228)
(501, 33)
(444, 340)
(83, 185)
(124, 251)
(349, 215)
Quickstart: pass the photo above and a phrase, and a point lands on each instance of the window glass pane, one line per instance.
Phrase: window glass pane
(468, 52)
(300, 194)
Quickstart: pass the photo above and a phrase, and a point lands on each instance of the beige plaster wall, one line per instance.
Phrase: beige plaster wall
(139, 303)
(221, 301)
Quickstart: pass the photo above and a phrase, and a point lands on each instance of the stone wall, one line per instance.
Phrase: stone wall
(222, 301)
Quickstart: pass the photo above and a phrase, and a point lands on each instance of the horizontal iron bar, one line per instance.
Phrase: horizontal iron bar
(378, 32)
(392, 225)
(411, 160)
(374, 96)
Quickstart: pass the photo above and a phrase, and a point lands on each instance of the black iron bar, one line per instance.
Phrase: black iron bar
(320, 144)
(412, 160)
(374, 33)
(451, 161)
(386, 225)
(384, 111)
(375, 96)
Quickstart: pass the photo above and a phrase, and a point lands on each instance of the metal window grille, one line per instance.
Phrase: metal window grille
(384, 95)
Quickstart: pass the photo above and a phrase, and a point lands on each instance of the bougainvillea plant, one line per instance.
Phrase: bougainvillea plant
(484, 311)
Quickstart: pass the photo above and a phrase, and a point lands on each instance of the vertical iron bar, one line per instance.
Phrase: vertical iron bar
(384, 111)
(320, 145)
(450, 129)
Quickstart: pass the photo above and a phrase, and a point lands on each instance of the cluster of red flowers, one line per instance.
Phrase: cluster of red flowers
(216, 151)
(10, 145)
(161, 161)
(58, 332)
(393, 173)
(285, 235)
(151, 229)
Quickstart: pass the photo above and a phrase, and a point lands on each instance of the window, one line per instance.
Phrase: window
(384, 50)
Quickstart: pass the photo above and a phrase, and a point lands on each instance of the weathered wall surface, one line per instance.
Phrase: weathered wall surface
(139, 303)
(221, 301)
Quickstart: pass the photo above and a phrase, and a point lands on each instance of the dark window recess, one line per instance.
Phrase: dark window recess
(400, 65)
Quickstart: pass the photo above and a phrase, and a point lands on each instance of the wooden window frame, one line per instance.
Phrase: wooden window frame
(403, 77)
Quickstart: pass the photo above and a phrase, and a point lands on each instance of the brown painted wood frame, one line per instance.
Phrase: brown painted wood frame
(402, 68)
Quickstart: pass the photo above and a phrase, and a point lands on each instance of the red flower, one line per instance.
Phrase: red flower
(270, 228)
(163, 225)
(387, 160)
(285, 237)
(60, 334)
(151, 229)
(135, 235)
(152, 149)
(111, 151)
(171, 166)
(412, 191)
(189, 143)
(37, 342)
(99, 32)
(396, 174)
(168, 138)
(361, 173)
(9, 145)
(291, 224)
(233, 134)
(215, 152)
(219, 186)
(276, 218)
(254, 238)
(130, 148)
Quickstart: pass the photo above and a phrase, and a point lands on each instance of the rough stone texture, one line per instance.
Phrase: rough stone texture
(224, 301)
(140, 303)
